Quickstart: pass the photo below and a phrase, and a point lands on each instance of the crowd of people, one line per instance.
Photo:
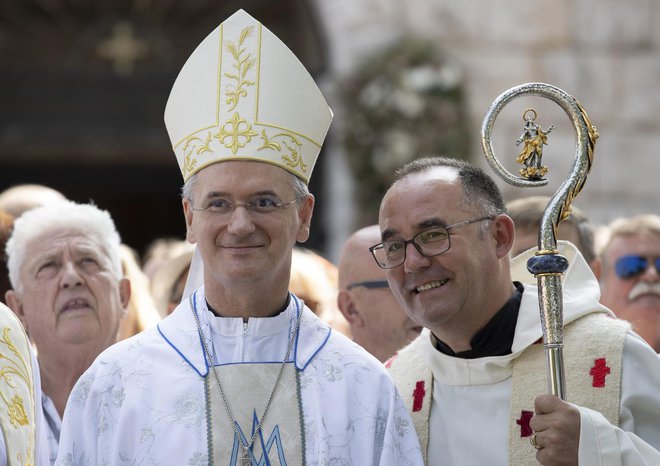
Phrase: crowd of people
(237, 345)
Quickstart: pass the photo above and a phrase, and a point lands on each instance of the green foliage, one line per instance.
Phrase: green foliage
(404, 103)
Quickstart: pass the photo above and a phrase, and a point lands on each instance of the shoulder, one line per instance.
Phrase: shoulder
(139, 348)
(410, 355)
(599, 326)
(338, 349)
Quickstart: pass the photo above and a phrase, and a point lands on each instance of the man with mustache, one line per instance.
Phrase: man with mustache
(628, 269)
(69, 292)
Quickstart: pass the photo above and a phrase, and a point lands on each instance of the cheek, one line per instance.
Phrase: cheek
(396, 281)
(41, 297)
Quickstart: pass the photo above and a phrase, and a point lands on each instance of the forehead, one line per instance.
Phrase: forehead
(242, 178)
(434, 194)
(54, 242)
(647, 244)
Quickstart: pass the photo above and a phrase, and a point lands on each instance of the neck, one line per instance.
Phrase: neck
(246, 303)
(458, 335)
(60, 374)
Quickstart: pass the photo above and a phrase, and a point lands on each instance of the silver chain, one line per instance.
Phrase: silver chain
(246, 448)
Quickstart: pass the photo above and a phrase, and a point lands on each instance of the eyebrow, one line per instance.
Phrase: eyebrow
(224, 194)
(423, 225)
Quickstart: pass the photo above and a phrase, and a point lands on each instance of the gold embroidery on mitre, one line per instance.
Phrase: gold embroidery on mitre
(238, 126)
(239, 134)
(243, 62)
(294, 144)
(194, 145)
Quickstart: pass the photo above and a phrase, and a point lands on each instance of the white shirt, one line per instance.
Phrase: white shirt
(142, 401)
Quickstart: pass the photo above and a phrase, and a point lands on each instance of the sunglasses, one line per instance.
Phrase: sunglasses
(631, 266)
(373, 284)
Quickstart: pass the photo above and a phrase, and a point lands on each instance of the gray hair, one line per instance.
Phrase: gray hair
(62, 215)
(627, 226)
(527, 213)
(479, 189)
(299, 187)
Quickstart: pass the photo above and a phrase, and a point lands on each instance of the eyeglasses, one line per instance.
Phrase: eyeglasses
(259, 205)
(372, 284)
(429, 243)
(631, 266)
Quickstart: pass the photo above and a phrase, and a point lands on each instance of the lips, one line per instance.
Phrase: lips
(430, 285)
(240, 247)
(75, 304)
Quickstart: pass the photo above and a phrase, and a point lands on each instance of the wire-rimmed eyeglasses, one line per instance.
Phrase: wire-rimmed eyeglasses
(429, 243)
(258, 205)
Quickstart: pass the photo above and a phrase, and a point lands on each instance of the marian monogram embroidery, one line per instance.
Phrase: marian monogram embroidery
(279, 441)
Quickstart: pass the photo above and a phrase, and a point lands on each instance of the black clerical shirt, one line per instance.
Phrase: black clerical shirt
(496, 337)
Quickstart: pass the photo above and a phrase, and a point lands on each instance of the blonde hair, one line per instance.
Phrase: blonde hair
(314, 280)
(141, 310)
(627, 226)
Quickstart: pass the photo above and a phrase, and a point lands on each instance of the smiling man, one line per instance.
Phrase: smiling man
(242, 372)
(69, 292)
(475, 380)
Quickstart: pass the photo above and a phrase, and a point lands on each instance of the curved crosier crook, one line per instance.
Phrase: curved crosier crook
(547, 265)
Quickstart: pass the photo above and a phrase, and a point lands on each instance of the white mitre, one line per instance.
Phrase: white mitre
(243, 95)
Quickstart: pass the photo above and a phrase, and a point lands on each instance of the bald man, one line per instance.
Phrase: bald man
(22, 197)
(377, 322)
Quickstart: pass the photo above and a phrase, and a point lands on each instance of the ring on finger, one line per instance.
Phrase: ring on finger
(534, 441)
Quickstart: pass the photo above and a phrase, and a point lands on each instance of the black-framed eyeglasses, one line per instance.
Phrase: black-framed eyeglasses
(633, 265)
(370, 284)
(429, 243)
(258, 205)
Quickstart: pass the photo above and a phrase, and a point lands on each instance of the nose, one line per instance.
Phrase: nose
(651, 273)
(414, 260)
(71, 278)
(240, 222)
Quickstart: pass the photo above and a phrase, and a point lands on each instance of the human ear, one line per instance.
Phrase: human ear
(504, 234)
(124, 294)
(348, 309)
(15, 303)
(305, 211)
(188, 214)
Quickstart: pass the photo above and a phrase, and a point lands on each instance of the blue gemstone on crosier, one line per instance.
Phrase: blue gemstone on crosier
(550, 263)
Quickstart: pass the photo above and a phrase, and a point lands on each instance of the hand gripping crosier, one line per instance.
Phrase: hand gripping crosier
(547, 265)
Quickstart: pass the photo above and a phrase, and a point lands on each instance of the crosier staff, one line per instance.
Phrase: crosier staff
(548, 265)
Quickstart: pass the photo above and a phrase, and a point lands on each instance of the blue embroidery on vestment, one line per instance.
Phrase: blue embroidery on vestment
(266, 446)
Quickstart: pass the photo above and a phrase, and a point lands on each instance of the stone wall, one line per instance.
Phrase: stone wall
(606, 53)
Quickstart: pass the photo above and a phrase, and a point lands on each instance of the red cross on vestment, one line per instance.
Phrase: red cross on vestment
(418, 396)
(523, 422)
(599, 371)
